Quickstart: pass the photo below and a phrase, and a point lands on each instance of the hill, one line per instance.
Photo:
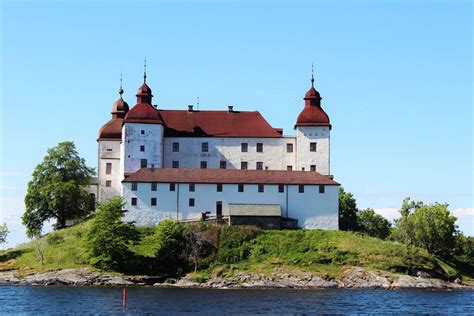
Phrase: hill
(328, 255)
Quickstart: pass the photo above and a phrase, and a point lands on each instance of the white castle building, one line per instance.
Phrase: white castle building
(229, 164)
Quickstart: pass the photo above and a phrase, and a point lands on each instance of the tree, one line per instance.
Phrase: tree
(347, 211)
(430, 226)
(57, 190)
(3, 233)
(172, 245)
(109, 238)
(373, 224)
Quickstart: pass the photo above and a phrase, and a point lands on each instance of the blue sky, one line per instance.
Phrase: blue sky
(395, 77)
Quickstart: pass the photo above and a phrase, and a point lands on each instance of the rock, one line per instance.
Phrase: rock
(458, 281)
(423, 274)
(8, 277)
(363, 278)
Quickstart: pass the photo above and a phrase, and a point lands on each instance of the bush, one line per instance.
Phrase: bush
(234, 243)
(54, 239)
(108, 239)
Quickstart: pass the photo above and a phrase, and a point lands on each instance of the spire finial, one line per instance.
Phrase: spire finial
(120, 90)
(312, 75)
(144, 72)
(198, 103)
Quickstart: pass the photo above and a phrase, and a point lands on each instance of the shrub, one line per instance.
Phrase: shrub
(234, 243)
(54, 239)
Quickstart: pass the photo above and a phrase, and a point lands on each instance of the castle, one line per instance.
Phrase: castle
(186, 164)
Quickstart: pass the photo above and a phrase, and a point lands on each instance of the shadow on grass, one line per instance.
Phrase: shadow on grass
(13, 254)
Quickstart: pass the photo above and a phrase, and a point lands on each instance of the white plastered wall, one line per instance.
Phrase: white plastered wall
(190, 155)
(311, 208)
(109, 152)
(132, 139)
(305, 158)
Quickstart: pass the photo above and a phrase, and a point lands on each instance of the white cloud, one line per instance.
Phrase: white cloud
(389, 213)
(12, 173)
(466, 211)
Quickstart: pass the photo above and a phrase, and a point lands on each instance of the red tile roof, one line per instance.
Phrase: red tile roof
(182, 123)
(143, 113)
(312, 114)
(229, 176)
(112, 130)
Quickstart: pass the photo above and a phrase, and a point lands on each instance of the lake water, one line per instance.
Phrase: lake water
(94, 300)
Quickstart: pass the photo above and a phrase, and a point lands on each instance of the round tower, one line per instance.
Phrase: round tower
(313, 135)
(142, 134)
(110, 137)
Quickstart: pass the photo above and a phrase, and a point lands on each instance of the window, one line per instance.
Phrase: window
(205, 147)
(322, 189)
(142, 132)
(240, 188)
(261, 188)
(191, 202)
(108, 183)
(172, 187)
(175, 147)
(281, 188)
(302, 168)
(312, 146)
(312, 167)
(143, 163)
(244, 165)
(244, 147)
(289, 168)
(219, 187)
(191, 187)
(219, 208)
(109, 149)
(289, 148)
(259, 165)
(108, 168)
(203, 164)
(175, 164)
(153, 201)
(260, 147)
(142, 147)
(134, 201)
(223, 164)
(301, 188)
(154, 186)
(134, 186)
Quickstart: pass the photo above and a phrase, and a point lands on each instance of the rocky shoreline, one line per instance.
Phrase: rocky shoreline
(353, 278)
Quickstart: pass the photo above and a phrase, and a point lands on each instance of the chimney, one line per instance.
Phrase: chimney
(190, 108)
(230, 108)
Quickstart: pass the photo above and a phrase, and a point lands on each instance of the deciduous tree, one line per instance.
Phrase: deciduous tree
(57, 190)
(109, 238)
(3, 233)
(430, 226)
(347, 211)
(373, 224)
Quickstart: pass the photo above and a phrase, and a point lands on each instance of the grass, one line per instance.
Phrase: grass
(240, 248)
(328, 253)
